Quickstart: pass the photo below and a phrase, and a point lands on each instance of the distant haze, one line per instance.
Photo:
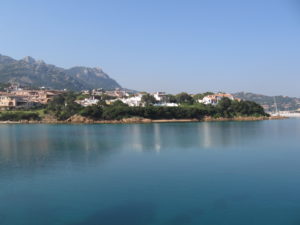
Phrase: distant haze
(170, 46)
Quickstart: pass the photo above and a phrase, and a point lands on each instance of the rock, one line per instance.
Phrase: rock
(79, 119)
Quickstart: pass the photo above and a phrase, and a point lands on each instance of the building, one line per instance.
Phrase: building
(117, 93)
(214, 99)
(87, 102)
(133, 101)
(86, 92)
(160, 96)
(8, 102)
(11, 101)
(95, 92)
(36, 96)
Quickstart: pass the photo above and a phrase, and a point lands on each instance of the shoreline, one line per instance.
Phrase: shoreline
(83, 120)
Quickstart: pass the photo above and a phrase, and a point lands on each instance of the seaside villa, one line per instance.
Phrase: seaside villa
(214, 99)
(8, 102)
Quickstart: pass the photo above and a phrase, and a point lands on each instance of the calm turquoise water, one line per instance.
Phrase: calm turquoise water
(218, 173)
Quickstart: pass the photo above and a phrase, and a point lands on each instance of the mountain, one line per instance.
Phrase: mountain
(283, 102)
(36, 73)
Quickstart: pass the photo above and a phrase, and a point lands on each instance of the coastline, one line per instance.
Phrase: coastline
(82, 120)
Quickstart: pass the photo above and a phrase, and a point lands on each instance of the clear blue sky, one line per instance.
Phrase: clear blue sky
(170, 45)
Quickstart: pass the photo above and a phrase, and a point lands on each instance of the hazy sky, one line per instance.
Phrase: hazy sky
(170, 45)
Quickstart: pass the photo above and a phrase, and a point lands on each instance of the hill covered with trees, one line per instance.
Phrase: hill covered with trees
(268, 102)
(64, 106)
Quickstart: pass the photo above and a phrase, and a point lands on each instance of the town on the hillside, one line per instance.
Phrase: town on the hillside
(19, 103)
(16, 97)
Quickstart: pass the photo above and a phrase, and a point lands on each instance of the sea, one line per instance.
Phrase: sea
(201, 173)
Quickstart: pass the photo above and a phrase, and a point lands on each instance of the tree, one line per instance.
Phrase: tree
(184, 98)
(3, 86)
(107, 97)
(171, 98)
(94, 112)
(118, 103)
(64, 106)
(148, 99)
(225, 108)
(196, 97)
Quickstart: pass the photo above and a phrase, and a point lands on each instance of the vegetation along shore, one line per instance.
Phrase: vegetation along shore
(65, 108)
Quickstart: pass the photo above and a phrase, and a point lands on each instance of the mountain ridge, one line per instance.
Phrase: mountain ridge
(284, 103)
(31, 72)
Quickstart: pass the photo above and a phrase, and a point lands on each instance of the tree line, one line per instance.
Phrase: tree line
(64, 106)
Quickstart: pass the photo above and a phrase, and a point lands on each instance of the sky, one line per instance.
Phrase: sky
(164, 45)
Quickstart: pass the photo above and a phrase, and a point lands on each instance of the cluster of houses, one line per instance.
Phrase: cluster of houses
(15, 97)
(135, 99)
(129, 98)
(118, 93)
(22, 98)
(214, 99)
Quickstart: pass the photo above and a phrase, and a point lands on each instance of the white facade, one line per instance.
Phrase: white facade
(133, 101)
(214, 99)
(87, 102)
(209, 100)
(160, 96)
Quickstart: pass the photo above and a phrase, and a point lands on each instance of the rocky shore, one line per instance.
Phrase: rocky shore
(76, 119)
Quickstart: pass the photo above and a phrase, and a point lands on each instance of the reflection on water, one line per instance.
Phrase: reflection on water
(151, 174)
(33, 145)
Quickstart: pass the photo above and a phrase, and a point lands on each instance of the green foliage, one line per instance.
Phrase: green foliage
(118, 103)
(3, 86)
(82, 97)
(106, 97)
(148, 99)
(102, 103)
(18, 115)
(64, 106)
(117, 113)
(93, 112)
(184, 98)
(201, 95)
(171, 98)
(228, 108)
(152, 112)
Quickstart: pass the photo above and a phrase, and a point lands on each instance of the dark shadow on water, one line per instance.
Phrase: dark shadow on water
(128, 214)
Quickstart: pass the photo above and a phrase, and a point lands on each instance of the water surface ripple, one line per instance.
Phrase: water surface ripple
(210, 173)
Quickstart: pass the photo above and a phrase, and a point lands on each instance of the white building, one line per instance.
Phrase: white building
(133, 101)
(87, 102)
(214, 99)
(160, 96)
